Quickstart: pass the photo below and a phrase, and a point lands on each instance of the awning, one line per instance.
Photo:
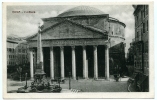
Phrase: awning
(142, 79)
(133, 76)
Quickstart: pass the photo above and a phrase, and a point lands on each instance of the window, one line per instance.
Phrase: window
(147, 25)
(137, 36)
(142, 15)
(144, 11)
(9, 49)
(141, 31)
(19, 50)
(146, 47)
(143, 27)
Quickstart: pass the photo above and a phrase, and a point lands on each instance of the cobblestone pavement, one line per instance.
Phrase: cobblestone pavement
(85, 85)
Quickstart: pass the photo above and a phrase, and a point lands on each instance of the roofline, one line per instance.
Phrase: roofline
(116, 20)
(101, 15)
(70, 22)
(12, 41)
(137, 8)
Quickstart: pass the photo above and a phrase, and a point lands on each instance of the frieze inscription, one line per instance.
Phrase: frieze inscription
(49, 43)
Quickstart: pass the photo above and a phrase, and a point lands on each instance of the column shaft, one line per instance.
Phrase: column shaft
(31, 64)
(51, 63)
(73, 63)
(62, 61)
(84, 63)
(107, 63)
(42, 58)
(95, 63)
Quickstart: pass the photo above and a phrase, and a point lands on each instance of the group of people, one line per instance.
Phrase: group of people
(117, 72)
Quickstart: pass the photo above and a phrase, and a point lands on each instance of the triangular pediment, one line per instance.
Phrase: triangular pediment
(70, 30)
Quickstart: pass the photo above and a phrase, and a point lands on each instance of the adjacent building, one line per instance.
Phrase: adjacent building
(17, 51)
(141, 44)
(130, 54)
(11, 54)
(82, 40)
(22, 54)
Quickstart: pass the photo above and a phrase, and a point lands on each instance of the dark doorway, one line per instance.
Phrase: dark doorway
(90, 58)
(101, 60)
(79, 61)
(57, 69)
(46, 60)
(67, 60)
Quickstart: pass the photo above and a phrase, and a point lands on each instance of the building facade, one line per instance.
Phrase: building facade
(17, 51)
(11, 54)
(141, 44)
(130, 54)
(82, 40)
(22, 54)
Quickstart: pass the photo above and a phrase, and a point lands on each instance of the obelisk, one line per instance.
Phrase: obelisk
(39, 69)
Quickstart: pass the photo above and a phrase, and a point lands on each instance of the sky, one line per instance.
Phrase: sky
(26, 24)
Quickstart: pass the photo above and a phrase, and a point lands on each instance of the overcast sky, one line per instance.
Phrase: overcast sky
(24, 24)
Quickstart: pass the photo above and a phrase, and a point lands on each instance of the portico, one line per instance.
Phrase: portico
(85, 61)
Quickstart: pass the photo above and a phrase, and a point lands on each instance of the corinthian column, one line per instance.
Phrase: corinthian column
(42, 58)
(62, 61)
(73, 63)
(31, 64)
(95, 63)
(85, 75)
(51, 63)
(107, 62)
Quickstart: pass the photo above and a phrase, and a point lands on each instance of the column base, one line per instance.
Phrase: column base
(74, 78)
(95, 78)
(32, 78)
(86, 78)
(108, 79)
(52, 78)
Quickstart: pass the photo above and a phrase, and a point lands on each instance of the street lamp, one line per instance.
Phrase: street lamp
(26, 80)
(69, 81)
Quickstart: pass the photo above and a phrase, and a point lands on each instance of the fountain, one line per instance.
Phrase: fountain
(40, 83)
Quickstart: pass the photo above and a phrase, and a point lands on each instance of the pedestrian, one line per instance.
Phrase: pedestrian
(77, 78)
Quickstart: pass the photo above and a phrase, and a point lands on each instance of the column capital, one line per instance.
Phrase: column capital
(51, 48)
(107, 46)
(73, 47)
(84, 46)
(94, 46)
(61, 47)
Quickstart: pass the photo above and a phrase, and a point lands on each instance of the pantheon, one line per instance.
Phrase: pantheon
(83, 40)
